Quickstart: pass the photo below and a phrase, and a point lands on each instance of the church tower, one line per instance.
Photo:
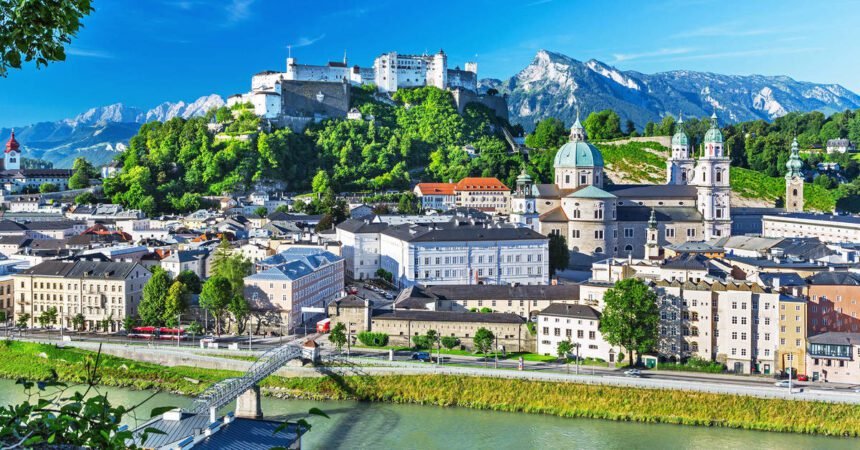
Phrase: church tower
(712, 185)
(12, 157)
(794, 181)
(523, 206)
(679, 168)
(652, 244)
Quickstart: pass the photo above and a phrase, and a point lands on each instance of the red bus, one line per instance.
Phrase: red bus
(324, 326)
(157, 333)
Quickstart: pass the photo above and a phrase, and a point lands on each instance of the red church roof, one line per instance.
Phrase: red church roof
(12, 144)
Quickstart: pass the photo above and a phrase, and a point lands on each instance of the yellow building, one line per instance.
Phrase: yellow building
(792, 334)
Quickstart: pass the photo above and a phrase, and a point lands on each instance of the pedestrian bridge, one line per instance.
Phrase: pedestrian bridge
(225, 391)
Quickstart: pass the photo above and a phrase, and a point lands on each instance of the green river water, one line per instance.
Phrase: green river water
(355, 425)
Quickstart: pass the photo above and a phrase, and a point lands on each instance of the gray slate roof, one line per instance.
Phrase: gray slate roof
(575, 311)
(836, 338)
(651, 191)
(82, 269)
(663, 213)
(840, 278)
(448, 316)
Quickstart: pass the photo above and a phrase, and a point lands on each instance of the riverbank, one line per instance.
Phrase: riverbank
(39, 361)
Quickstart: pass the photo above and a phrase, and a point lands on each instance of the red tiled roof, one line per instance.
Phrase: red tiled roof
(480, 184)
(436, 188)
(12, 144)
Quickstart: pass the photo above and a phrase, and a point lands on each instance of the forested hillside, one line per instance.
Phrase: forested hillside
(419, 136)
(169, 166)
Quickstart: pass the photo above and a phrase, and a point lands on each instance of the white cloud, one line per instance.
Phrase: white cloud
(305, 41)
(647, 55)
(239, 10)
(88, 53)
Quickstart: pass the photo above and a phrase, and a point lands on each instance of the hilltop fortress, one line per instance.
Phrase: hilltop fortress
(307, 93)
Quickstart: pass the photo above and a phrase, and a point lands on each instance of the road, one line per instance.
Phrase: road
(376, 363)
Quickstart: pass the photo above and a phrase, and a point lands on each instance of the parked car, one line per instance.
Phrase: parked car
(802, 377)
(421, 356)
(352, 290)
(389, 296)
(782, 384)
(633, 373)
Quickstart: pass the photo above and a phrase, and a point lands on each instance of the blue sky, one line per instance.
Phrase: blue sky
(143, 52)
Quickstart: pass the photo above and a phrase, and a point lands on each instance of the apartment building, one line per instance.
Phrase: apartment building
(436, 196)
(484, 194)
(735, 323)
(98, 290)
(833, 357)
(294, 279)
(457, 251)
(523, 300)
(833, 302)
(580, 324)
(791, 352)
(827, 227)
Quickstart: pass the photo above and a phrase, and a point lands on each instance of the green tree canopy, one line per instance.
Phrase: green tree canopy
(215, 297)
(154, 302)
(175, 303)
(603, 125)
(38, 32)
(337, 336)
(631, 316)
(559, 255)
(549, 134)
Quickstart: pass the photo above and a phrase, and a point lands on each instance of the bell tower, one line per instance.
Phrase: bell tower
(794, 181)
(712, 185)
(12, 156)
(652, 244)
(679, 167)
(523, 206)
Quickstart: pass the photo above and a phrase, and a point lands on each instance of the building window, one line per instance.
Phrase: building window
(628, 232)
(670, 232)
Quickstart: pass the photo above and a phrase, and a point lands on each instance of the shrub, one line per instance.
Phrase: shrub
(372, 339)
(450, 342)
(486, 310)
(422, 342)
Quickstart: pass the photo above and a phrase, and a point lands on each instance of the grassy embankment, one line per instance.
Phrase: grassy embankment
(639, 165)
(558, 399)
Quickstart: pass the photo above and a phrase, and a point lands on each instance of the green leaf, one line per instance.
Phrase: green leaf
(151, 430)
(318, 412)
(160, 410)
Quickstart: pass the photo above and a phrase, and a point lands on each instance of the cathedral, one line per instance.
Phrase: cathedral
(600, 219)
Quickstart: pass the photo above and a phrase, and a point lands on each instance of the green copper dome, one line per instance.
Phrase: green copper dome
(794, 164)
(714, 135)
(524, 178)
(680, 138)
(578, 152)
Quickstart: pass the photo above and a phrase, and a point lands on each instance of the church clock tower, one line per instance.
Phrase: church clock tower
(12, 157)
(713, 195)
(794, 181)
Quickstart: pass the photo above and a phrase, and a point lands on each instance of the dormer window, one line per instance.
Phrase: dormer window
(320, 96)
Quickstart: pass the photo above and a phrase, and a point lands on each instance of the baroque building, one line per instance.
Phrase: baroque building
(600, 219)
(14, 179)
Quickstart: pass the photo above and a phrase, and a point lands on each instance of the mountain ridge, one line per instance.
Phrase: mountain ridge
(553, 84)
(99, 133)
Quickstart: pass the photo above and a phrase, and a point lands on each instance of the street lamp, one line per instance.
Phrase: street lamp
(790, 367)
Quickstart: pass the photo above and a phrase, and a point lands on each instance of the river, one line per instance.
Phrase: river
(355, 425)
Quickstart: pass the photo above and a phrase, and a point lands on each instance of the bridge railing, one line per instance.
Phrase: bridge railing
(225, 391)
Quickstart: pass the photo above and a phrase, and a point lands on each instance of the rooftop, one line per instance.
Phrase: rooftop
(448, 316)
(575, 311)
(436, 188)
(481, 184)
(836, 338)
